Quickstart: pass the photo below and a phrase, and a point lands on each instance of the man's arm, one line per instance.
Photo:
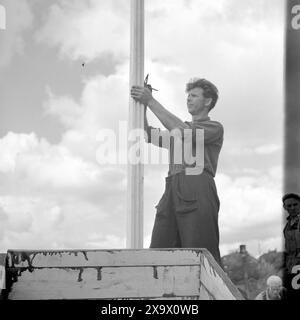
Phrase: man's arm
(158, 137)
(169, 120)
(146, 124)
(147, 128)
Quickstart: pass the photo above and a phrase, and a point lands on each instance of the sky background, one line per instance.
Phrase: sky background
(53, 192)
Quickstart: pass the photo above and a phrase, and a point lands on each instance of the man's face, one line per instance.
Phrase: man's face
(292, 206)
(196, 102)
(274, 291)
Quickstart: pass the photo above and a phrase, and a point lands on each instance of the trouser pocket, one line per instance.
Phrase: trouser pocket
(162, 206)
(186, 194)
(185, 205)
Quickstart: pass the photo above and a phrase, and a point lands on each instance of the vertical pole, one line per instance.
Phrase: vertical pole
(135, 172)
(292, 98)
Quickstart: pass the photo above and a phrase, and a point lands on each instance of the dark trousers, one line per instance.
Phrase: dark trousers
(187, 214)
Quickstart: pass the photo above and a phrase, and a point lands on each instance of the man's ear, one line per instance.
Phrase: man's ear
(284, 207)
(207, 102)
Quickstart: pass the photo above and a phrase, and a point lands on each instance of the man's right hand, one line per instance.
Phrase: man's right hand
(141, 94)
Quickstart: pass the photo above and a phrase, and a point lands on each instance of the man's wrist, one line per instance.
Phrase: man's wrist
(151, 102)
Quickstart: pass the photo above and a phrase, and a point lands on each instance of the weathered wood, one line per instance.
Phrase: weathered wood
(117, 274)
(204, 294)
(93, 283)
(109, 258)
(2, 276)
(214, 281)
(2, 272)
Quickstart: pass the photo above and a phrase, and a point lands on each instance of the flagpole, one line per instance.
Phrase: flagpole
(135, 172)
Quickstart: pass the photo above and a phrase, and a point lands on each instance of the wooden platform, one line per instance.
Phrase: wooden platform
(116, 274)
(2, 272)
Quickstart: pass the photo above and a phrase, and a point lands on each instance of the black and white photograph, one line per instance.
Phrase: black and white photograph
(149, 150)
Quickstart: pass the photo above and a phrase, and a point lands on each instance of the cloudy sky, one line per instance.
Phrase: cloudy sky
(54, 193)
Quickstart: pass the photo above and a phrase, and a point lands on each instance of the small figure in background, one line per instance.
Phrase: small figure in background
(291, 203)
(274, 291)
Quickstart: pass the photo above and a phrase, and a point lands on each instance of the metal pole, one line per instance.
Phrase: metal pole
(135, 173)
(292, 98)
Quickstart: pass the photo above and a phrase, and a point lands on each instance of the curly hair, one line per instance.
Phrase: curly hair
(290, 196)
(209, 89)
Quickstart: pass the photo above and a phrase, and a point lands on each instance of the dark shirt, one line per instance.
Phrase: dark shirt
(292, 235)
(213, 140)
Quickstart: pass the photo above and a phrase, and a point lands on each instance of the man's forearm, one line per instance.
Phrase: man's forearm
(146, 124)
(169, 120)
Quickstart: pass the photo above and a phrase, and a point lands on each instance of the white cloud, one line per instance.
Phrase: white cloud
(43, 163)
(106, 242)
(68, 111)
(52, 223)
(11, 146)
(251, 209)
(87, 28)
(268, 149)
(104, 101)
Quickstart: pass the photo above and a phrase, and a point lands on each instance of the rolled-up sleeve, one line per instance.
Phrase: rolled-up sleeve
(213, 131)
(158, 137)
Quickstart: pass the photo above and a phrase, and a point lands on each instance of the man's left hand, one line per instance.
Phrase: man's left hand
(141, 94)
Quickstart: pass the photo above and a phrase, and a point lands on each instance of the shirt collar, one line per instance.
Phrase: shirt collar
(293, 220)
(202, 119)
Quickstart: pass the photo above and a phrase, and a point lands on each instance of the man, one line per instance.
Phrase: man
(291, 203)
(274, 290)
(187, 214)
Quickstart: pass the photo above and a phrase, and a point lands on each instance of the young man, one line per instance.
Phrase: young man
(187, 214)
(291, 203)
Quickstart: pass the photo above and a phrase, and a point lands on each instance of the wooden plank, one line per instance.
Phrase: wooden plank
(117, 274)
(92, 283)
(2, 273)
(204, 293)
(215, 281)
(92, 258)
